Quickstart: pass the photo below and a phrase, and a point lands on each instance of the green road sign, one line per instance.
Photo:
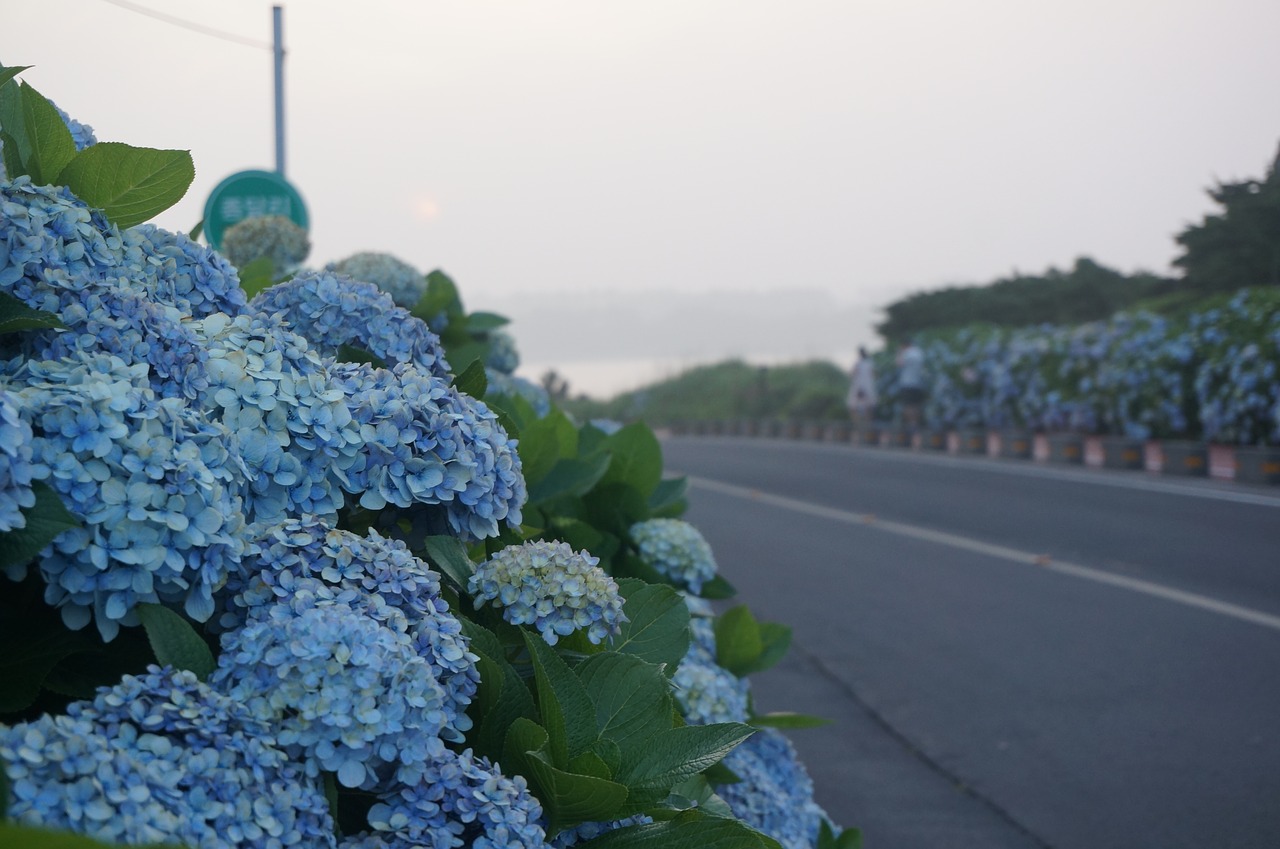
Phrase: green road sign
(248, 194)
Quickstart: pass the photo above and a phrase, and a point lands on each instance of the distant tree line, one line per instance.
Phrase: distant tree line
(1234, 248)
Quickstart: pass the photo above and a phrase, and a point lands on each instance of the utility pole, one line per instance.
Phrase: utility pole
(277, 19)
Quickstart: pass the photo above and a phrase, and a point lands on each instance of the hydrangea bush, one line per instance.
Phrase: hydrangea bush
(1212, 375)
(334, 603)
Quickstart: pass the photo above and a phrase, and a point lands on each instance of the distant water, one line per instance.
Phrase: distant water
(603, 379)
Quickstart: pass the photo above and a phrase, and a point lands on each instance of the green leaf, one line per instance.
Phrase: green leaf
(352, 354)
(674, 755)
(194, 235)
(472, 381)
(4, 795)
(570, 476)
(688, 830)
(787, 719)
(668, 493)
(258, 274)
(129, 184)
(657, 626)
(449, 555)
(563, 702)
(13, 836)
(738, 641)
(633, 703)
(15, 316)
(637, 459)
(777, 640)
(7, 74)
(615, 507)
(718, 589)
(502, 696)
(441, 297)
(36, 140)
(589, 763)
(482, 322)
(578, 534)
(567, 798)
(543, 442)
(29, 657)
(849, 838)
(175, 642)
(45, 519)
(696, 791)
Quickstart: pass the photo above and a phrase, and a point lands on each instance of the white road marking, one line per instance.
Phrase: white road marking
(1039, 560)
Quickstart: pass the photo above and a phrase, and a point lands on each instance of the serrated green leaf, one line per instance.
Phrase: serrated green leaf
(16, 316)
(674, 755)
(129, 184)
(472, 381)
(45, 519)
(449, 555)
(7, 74)
(615, 507)
(786, 719)
(578, 534)
(633, 703)
(589, 763)
(196, 231)
(738, 641)
(571, 476)
(13, 836)
(567, 712)
(657, 626)
(51, 141)
(688, 830)
(353, 354)
(483, 322)
(776, 640)
(637, 459)
(29, 657)
(567, 798)
(175, 642)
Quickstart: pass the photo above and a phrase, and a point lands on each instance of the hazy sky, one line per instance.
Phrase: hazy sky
(843, 153)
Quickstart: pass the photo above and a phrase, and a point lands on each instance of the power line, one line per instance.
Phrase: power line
(200, 28)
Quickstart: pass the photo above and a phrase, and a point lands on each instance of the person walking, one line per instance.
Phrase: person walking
(862, 390)
(911, 385)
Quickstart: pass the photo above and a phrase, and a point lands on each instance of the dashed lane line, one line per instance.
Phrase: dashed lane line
(1001, 552)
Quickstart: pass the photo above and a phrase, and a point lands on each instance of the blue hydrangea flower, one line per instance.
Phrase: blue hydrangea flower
(178, 272)
(81, 134)
(775, 795)
(15, 465)
(426, 443)
(676, 550)
(331, 310)
(502, 355)
(552, 587)
(50, 242)
(289, 417)
(588, 830)
(519, 387)
(154, 483)
(161, 757)
(405, 284)
(461, 800)
(374, 573)
(272, 236)
(346, 692)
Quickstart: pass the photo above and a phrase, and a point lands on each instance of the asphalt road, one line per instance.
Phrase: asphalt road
(1013, 655)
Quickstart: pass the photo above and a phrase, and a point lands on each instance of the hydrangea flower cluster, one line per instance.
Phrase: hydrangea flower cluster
(272, 236)
(705, 690)
(461, 800)
(161, 757)
(181, 273)
(346, 692)
(552, 587)
(405, 284)
(289, 417)
(676, 550)
(775, 794)
(15, 465)
(154, 484)
(51, 242)
(332, 311)
(374, 573)
(81, 134)
(426, 443)
(502, 355)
